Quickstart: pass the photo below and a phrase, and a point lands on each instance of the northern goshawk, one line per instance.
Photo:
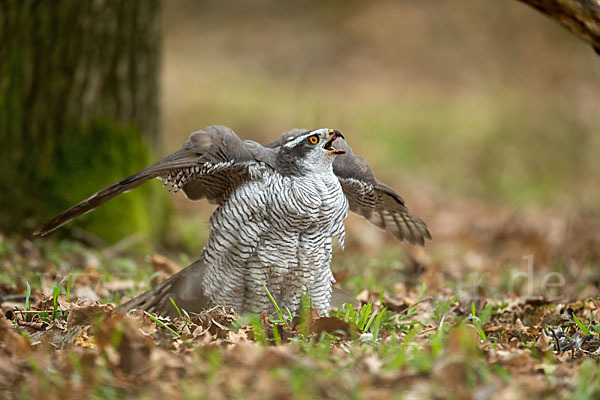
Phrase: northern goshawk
(279, 206)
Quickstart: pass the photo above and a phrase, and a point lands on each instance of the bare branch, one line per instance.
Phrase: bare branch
(582, 17)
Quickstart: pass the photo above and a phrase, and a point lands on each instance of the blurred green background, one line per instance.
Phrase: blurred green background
(463, 99)
(477, 99)
(447, 100)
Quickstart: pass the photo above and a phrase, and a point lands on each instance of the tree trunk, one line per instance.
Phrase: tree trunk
(78, 108)
(582, 17)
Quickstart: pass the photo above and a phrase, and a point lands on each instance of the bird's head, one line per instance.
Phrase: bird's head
(310, 151)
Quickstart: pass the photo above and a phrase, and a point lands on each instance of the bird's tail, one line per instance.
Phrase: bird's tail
(185, 288)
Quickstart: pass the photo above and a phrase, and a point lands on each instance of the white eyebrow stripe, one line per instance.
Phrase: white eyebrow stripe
(293, 142)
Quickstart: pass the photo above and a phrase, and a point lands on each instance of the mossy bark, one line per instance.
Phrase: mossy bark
(78, 109)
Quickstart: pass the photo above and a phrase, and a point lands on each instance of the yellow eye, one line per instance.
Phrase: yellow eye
(313, 139)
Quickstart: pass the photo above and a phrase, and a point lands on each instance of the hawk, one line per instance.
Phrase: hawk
(279, 207)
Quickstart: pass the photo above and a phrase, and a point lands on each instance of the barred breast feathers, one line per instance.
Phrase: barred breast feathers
(280, 229)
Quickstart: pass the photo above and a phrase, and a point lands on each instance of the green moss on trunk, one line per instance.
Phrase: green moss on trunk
(78, 110)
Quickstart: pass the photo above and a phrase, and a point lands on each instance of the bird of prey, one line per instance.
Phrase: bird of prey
(279, 206)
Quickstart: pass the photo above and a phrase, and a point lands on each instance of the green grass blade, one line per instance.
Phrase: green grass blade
(55, 294)
(27, 300)
(177, 308)
(365, 311)
(421, 292)
(277, 309)
(289, 313)
(276, 336)
(368, 325)
(348, 312)
(585, 330)
(68, 287)
(27, 296)
(153, 318)
(377, 324)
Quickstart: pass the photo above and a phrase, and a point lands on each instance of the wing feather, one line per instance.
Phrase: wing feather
(375, 201)
(210, 162)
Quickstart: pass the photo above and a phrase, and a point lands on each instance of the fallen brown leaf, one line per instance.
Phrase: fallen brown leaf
(85, 315)
(133, 349)
(162, 263)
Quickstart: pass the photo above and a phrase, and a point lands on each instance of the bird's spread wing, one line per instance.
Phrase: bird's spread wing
(376, 201)
(368, 197)
(209, 164)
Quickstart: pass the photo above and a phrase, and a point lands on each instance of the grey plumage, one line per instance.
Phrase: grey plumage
(279, 206)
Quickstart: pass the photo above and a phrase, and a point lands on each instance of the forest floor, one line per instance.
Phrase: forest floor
(500, 304)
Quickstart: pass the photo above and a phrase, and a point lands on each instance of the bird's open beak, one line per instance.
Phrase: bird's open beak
(333, 135)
